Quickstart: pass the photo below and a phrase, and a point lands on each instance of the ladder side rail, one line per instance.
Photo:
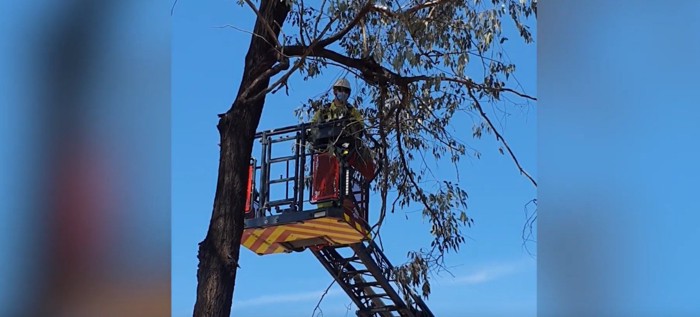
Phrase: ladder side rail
(298, 190)
(363, 204)
(418, 301)
(370, 303)
(301, 170)
(268, 174)
(287, 180)
(326, 256)
(264, 181)
(388, 268)
(382, 261)
(372, 266)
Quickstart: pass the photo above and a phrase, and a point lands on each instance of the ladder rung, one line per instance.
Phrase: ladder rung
(283, 139)
(356, 272)
(282, 159)
(348, 260)
(285, 210)
(282, 180)
(374, 296)
(366, 284)
(280, 202)
(383, 309)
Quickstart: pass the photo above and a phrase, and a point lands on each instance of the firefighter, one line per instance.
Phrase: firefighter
(350, 138)
(347, 142)
(340, 108)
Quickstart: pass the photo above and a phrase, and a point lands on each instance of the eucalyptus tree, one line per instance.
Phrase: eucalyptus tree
(419, 63)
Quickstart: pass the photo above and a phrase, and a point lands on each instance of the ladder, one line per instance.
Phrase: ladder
(367, 277)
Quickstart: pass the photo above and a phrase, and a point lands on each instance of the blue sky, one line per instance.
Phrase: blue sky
(493, 274)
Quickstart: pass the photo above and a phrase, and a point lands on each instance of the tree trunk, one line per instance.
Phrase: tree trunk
(218, 253)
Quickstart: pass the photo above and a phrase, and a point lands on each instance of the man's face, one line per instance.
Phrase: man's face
(341, 93)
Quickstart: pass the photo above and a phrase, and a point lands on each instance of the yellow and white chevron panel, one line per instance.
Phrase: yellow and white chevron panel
(268, 240)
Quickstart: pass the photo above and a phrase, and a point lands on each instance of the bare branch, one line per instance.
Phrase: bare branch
(318, 305)
(318, 19)
(333, 38)
(274, 70)
(348, 69)
(528, 230)
(518, 93)
(172, 9)
(402, 158)
(499, 137)
(375, 73)
(302, 30)
(264, 22)
(370, 70)
(244, 31)
(297, 64)
(471, 84)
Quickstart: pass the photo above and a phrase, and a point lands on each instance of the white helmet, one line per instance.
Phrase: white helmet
(342, 83)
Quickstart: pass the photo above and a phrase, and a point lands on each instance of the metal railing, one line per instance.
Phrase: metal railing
(302, 140)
